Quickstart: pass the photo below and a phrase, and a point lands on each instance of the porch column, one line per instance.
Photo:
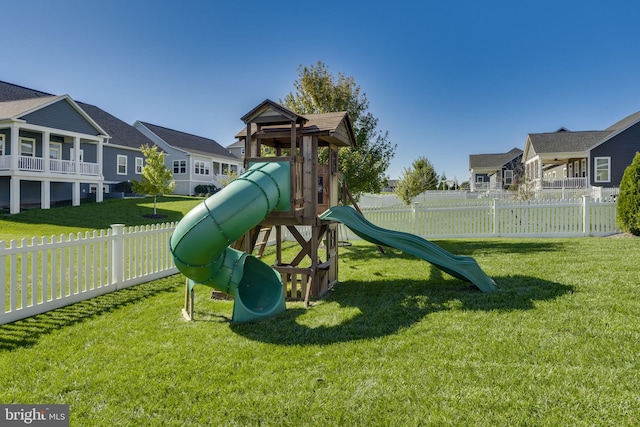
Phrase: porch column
(75, 197)
(99, 148)
(539, 164)
(76, 156)
(100, 190)
(45, 193)
(14, 204)
(15, 152)
(46, 163)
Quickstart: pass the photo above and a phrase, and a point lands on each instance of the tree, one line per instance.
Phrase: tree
(157, 180)
(317, 91)
(628, 216)
(417, 179)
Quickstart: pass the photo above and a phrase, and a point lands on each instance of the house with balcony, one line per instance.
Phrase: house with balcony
(55, 149)
(497, 171)
(581, 159)
(49, 149)
(194, 160)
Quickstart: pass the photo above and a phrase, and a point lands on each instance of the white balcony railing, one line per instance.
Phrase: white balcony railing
(5, 162)
(61, 166)
(89, 168)
(579, 182)
(29, 163)
(36, 164)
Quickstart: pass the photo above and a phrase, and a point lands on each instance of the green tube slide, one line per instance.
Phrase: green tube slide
(462, 267)
(200, 242)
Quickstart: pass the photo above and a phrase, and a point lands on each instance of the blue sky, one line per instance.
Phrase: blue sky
(445, 78)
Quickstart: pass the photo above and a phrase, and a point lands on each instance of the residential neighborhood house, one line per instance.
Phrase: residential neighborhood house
(55, 149)
(237, 149)
(194, 160)
(497, 171)
(582, 159)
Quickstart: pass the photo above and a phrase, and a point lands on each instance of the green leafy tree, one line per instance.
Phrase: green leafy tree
(317, 91)
(157, 180)
(417, 179)
(628, 209)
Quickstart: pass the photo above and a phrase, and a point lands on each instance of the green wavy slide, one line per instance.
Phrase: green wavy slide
(462, 267)
(200, 242)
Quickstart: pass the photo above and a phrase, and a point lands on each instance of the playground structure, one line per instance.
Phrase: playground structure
(214, 242)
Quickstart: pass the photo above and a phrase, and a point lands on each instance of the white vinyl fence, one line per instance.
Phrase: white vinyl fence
(498, 218)
(48, 273)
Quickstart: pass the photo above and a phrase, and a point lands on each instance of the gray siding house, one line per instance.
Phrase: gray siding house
(497, 171)
(50, 149)
(583, 159)
(194, 160)
(122, 158)
(54, 149)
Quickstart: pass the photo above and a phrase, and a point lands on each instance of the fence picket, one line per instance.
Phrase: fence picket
(41, 275)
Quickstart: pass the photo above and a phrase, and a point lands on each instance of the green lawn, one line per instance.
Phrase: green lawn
(93, 216)
(396, 343)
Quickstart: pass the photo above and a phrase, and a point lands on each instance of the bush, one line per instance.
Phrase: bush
(628, 216)
(206, 190)
(123, 187)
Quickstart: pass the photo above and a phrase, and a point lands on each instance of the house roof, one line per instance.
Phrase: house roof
(16, 108)
(188, 142)
(566, 141)
(121, 133)
(495, 161)
(626, 122)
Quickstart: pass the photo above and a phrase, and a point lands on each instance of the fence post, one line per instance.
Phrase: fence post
(117, 254)
(494, 212)
(586, 216)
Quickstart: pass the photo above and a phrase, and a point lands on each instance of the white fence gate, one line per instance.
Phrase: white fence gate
(48, 273)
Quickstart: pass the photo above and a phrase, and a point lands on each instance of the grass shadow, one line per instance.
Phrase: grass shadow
(27, 332)
(384, 308)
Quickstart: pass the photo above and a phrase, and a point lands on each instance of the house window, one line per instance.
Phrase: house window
(1, 144)
(139, 165)
(242, 151)
(122, 165)
(93, 188)
(55, 150)
(583, 165)
(564, 172)
(201, 168)
(27, 147)
(479, 178)
(179, 166)
(603, 169)
(508, 177)
(576, 169)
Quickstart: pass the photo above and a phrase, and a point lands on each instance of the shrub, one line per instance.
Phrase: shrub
(628, 216)
(205, 190)
(123, 187)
